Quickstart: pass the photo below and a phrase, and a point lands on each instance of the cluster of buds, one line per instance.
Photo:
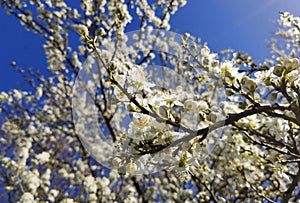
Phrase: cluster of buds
(83, 30)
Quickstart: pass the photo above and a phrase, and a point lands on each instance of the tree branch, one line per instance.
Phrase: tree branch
(292, 186)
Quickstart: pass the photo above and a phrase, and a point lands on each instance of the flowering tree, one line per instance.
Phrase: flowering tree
(149, 115)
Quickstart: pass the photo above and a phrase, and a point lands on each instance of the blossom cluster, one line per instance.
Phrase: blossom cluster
(149, 115)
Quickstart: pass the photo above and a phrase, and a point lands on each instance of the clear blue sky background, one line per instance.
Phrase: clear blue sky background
(243, 25)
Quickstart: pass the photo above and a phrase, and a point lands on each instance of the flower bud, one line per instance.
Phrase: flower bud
(272, 96)
(278, 70)
(250, 85)
(163, 111)
(101, 32)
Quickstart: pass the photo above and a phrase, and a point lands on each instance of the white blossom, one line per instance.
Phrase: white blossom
(27, 197)
(134, 117)
(43, 157)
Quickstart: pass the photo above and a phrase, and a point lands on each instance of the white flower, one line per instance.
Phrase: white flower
(92, 197)
(43, 157)
(23, 155)
(203, 105)
(190, 105)
(90, 184)
(82, 29)
(53, 194)
(186, 35)
(138, 77)
(205, 51)
(163, 111)
(141, 120)
(3, 97)
(286, 18)
(31, 179)
(131, 167)
(104, 182)
(264, 76)
(293, 75)
(116, 162)
(31, 130)
(67, 200)
(229, 72)
(75, 59)
(17, 94)
(279, 128)
(171, 99)
(49, 3)
(101, 32)
(27, 197)
(46, 177)
(6, 161)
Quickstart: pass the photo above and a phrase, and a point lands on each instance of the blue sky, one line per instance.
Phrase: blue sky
(238, 24)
